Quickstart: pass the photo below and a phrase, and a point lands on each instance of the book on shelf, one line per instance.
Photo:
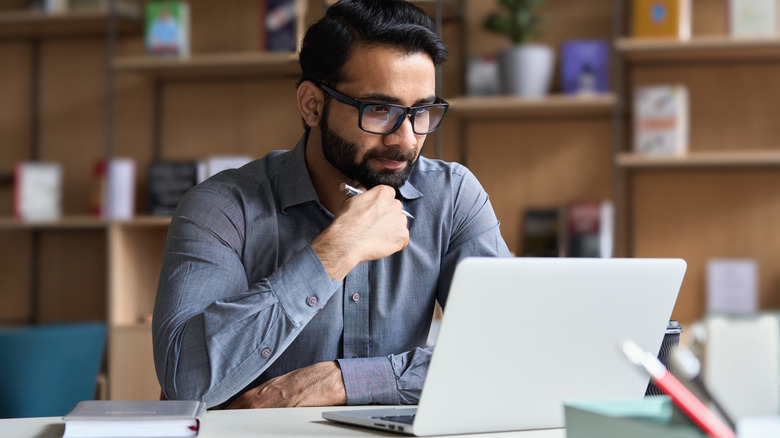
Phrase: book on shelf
(217, 163)
(542, 232)
(661, 19)
(152, 418)
(752, 18)
(589, 229)
(168, 182)
(129, 8)
(167, 28)
(49, 6)
(116, 178)
(38, 191)
(585, 66)
(661, 120)
(283, 25)
(732, 286)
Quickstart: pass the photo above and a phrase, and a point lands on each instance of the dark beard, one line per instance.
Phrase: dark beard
(342, 154)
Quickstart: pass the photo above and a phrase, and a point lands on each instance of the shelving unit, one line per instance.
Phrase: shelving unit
(37, 24)
(717, 200)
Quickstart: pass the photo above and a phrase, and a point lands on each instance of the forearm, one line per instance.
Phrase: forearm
(210, 346)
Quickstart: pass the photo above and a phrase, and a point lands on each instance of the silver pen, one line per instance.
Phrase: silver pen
(351, 191)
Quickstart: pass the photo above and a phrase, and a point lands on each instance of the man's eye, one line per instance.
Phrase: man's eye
(379, 109)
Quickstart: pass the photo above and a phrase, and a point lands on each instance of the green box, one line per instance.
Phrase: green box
(651, 417)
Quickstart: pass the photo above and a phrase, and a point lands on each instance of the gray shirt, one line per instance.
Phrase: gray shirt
(243, 297)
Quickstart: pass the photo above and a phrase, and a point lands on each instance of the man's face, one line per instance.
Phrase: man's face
(386, 75)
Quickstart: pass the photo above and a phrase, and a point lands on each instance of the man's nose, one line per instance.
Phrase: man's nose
(403, 137)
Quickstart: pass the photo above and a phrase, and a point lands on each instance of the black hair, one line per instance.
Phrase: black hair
(329, 42)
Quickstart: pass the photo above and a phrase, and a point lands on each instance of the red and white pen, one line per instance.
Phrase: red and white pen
(680, 395)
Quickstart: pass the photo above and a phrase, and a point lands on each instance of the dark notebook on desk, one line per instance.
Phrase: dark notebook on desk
(522, 335)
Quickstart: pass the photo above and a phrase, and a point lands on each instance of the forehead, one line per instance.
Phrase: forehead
(383, 69)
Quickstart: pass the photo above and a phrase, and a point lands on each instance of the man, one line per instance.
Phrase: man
(277, 289)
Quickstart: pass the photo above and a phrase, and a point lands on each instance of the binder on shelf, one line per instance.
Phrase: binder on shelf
(589, 229)
(38, 191)
(283, 25)
(49, 6)
(752, 18)
(153, 418)
(585, 66)
(661, 120)
(661, 19)
(168, 182)
(542, 233)
(217, 163)
(116, 180)
(167, 28)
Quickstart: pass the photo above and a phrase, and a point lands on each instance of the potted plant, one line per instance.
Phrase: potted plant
(526, 69)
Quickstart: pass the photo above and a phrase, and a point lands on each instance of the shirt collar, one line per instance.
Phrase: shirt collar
(295, 186)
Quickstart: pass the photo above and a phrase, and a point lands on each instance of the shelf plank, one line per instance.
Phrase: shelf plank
(66, 223)
(146, 221)
(451, 9)
(699, 48)
(31, 23)
(701, 159)
(492, 107)
(278, 64)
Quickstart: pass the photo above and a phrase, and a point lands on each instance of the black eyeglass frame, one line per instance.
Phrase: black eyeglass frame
(408, 110)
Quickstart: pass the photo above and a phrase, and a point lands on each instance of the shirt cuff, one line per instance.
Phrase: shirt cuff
(369, 381)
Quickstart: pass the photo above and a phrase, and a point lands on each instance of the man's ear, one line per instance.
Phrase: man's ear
(310, 103)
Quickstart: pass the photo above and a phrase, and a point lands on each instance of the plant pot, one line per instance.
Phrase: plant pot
(527, 70)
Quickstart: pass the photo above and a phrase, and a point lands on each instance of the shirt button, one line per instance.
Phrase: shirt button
(266, 352)
(311, 301)
(356, 297)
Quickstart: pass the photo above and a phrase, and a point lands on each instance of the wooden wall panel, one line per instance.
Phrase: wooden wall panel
(703, 214)
(540, 162)
(15, 104)
(72, 276)
(130, 354)
(15, 277)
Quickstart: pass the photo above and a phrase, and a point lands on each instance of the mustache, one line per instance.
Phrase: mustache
(392, 154)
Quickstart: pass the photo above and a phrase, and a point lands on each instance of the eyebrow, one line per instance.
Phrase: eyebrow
(384, 98)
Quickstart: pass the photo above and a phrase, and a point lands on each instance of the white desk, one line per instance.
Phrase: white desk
(268, 423)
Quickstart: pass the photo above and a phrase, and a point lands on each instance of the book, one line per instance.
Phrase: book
(49, 6)
(661, 18)
(38, 191)
(116, 180)
(752, 18)
(283, 24)
(661, 120)
(585, 66)
(542, 233)
(589, 229)
(110, 419)
(732, 286)
(217, 163)
(167, 28)
(168, 182)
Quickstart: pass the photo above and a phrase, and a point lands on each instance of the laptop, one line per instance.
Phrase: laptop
(520, 336)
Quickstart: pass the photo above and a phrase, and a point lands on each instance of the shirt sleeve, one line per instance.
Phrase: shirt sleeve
(213, 333)
(399, 378)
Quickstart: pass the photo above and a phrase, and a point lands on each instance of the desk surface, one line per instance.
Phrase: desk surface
(287, 423)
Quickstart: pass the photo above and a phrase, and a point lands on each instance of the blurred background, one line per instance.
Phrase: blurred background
(645, 129)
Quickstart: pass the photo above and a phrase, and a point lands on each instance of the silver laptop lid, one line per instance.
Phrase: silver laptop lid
(522, 335)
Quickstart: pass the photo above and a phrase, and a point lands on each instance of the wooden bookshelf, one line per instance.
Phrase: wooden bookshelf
(491, 107)
(699, 48)
(30, 23)
(271, 64)
(701, 159)
(451, 9)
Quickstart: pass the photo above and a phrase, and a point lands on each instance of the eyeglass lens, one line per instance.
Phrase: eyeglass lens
(385, 118)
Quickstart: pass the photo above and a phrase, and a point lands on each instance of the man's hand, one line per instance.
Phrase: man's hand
(320, 384)
(371, 226)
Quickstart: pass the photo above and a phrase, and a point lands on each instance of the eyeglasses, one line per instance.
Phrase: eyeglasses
(386, 118)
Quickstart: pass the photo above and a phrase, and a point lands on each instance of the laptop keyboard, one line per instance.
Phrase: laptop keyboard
(406, 419)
